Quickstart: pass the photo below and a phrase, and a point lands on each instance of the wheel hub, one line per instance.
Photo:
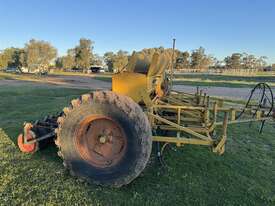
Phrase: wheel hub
(100, 141)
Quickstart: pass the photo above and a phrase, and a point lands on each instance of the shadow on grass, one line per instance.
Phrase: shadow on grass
(244, 175)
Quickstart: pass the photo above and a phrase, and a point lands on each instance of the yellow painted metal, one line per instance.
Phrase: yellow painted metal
(142, 77)
(139, 63)
(244, 120)
(195, 129)
(131, 84)
(220, 147)
(190, 114)
(258, 114)
(179, 115)
(220, 102)
(182, 140)
(182, 119)
(233, 114)
(179, 127)
(178, 107)
(191, 117)
(158, 65)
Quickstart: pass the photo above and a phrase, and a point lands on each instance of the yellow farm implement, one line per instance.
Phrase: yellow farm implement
(106, 136)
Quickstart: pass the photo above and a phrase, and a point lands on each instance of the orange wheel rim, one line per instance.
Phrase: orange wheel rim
(27, 148)
(100, 141)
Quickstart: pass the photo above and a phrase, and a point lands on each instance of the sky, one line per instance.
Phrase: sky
(221, 27)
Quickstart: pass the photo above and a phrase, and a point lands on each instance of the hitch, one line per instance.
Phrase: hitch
(38, 135)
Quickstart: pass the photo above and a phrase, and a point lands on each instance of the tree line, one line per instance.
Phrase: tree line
(38, 54)
(35, 54)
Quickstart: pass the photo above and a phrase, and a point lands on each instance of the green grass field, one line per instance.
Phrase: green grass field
(222, 80)
(258, 78)
(244, 175)
(195, 79)
(213, 80)
(32, 77)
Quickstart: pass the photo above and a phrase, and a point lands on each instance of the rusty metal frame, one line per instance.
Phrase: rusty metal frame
(195, 117)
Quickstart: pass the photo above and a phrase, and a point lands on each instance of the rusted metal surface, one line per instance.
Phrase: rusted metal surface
(100, 141)
(38, 134)
(28, 135)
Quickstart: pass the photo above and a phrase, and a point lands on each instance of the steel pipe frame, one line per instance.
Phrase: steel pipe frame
(200, 135)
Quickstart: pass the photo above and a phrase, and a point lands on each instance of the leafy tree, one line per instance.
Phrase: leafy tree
(83, 54)
(109, 60)
(2, 61)
(12, 57)
(120, 60)
(234, 61)
(71, 52)
(6, 57)
(261, 62)
(183, 60)
(19, 58)
(39, 54)
(249, 61)
(254, 63)
(65, 62)
(68, 62)
(245, 61)
(59, 62)
(199, 60)
(80, 57)
(116, 62)
(217, 64)
(97, 60)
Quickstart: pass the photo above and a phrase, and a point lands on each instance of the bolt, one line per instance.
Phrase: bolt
(102, 139)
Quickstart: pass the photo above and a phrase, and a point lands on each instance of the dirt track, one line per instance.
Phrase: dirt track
(62, 81)
(88, 82)
(236, 93)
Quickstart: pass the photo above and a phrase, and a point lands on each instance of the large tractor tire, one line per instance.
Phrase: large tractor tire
(105, 138)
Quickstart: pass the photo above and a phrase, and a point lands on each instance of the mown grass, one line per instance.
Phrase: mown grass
(222, 80)
(212, 80)
(179, 79)
(257, 78)
(19, 104)
(107, 77)
(244, 175)
(203, 83)
(104, 78)
(21, 77)
(80, 73)
(8, 76)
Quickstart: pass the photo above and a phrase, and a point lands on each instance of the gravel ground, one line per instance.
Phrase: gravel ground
(62, 81)
(236, 93)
